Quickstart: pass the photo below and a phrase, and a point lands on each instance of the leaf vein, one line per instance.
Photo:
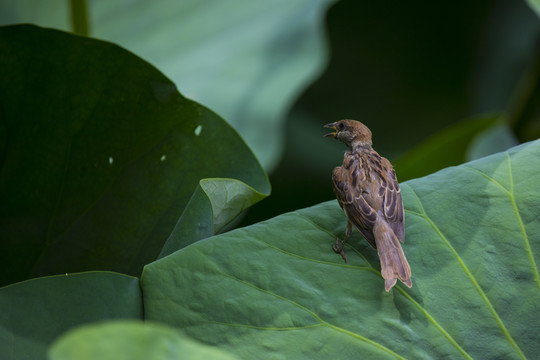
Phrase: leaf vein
(407, 296)
(526, 242)
(473, 280)
(331, 234)
(511, 195)
(321, 322)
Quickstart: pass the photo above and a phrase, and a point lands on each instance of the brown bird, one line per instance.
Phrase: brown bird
(367, 190)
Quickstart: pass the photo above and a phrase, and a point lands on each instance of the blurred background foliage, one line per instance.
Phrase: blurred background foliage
(246, 60)
(438, 83)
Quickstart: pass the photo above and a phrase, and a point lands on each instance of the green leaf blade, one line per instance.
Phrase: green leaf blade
(463, 141)
(535, 5)
(474, 291)
(42, 309)
(101, 155)
(263, 53)
(131, 340)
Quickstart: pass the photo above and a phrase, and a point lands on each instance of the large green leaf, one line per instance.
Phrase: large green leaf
(212, 206)
(99, 155)
(454, 145)
(277, 289)
(131, 340)
(535, 5)
(247, 60)
(35, 312)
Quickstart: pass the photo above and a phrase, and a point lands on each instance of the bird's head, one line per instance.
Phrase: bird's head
(350, 132)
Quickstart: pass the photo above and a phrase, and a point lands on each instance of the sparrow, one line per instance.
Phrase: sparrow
(367, 190)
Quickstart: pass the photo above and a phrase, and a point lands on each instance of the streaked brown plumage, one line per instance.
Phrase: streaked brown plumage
(367, 190)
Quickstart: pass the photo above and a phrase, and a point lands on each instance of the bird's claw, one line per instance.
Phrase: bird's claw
(338, 248)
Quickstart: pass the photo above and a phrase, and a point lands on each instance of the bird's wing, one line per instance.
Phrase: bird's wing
(351, 199)
(392, 203)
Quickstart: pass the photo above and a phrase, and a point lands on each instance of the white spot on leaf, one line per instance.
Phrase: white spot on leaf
(163, 157)
(111, 160)
(198, 130)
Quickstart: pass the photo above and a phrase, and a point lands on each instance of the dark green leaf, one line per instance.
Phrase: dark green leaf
(495, 138)
(277, 288)
(247, 60)
(446, 148)
(37, 311)
(535, 5)
(213, 205)
(99, 155)
(131, 340)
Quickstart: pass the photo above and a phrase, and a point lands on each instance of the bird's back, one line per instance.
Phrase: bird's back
(366, 187)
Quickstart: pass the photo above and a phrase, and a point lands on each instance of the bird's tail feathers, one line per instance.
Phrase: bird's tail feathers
(394, 264)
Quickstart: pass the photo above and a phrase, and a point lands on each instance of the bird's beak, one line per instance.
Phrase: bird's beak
(331, 126)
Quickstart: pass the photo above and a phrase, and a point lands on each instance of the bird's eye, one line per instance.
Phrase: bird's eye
(340, 126)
